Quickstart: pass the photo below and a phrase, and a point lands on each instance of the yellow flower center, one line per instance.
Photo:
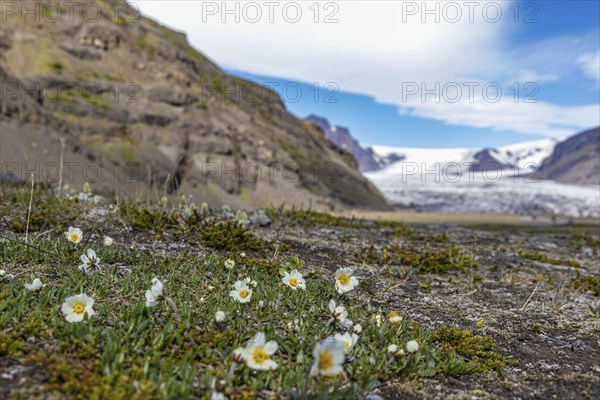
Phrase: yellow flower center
(259, 355)
(293, 282)
(325, 360)
(78, 308)
(346, 345)
(74, 237)
(344, 279)
(243, 293)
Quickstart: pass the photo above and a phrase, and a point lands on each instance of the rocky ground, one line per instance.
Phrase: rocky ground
(529, 308)
(532, 290)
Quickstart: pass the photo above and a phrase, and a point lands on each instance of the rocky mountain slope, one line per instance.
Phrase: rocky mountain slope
(366, 157)
(575, 160)
(142, 113)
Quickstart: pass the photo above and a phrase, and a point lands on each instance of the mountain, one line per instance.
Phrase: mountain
(143, 113)
(365, 156)
(526, 156)
(530, 178)
(575, 160)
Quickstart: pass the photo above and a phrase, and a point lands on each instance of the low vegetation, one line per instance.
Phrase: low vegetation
(547, 260)
(311, 218)
(425, 258)
(588, 283)
(184, 345)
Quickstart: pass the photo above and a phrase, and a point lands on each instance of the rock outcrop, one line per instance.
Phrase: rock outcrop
(134, 102)
(366, 158)
(575, 160)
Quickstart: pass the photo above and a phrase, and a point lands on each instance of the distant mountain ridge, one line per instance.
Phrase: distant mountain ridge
(574, 160)
(543, 177)
(368, 160)
(521, 157)
(526, 156)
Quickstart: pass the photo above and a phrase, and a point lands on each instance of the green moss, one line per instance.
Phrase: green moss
(230, 236)
(49, 11)
(65, 116)
(587, 283)
(74, 377)
(47, 209)
(425, 286)
(56, 66)
(427, 259)
(96, 100)
(202, 105)
(121, 21)
(11, 345)
(143, 42)
(474, 348)
(89, 74)
(310, 218)
(547, 260)
(587, 239)
(145, 217)
(293, 152)
(218, 84)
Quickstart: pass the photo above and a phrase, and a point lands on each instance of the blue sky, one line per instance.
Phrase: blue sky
(375, 51)
(374, 123)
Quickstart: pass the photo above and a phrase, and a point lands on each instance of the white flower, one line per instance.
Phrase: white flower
(229, 263)
(203, 208)
(219, 316)
(90, 262)
(412, 346)
(392, 348)
(74, 235)
(242, 254)
(394, 318)
(294, 280)
(33, 286)
(75, 306)
(357, 328)
(217, 396)
(261, 303)
(155, 293)
(378, 318)
(349, 340)
(250, 282)
(257, 352)
(329, 357)
(108, 241)
(340, 314)
(344, 281)
(2, 272)
(241, 292)
(239, 355)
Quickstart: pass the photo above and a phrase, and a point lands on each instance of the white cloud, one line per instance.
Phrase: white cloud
(540, 119)
(377, 46)
(590, 64)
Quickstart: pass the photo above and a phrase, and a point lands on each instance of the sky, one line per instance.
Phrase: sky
(411, 73)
